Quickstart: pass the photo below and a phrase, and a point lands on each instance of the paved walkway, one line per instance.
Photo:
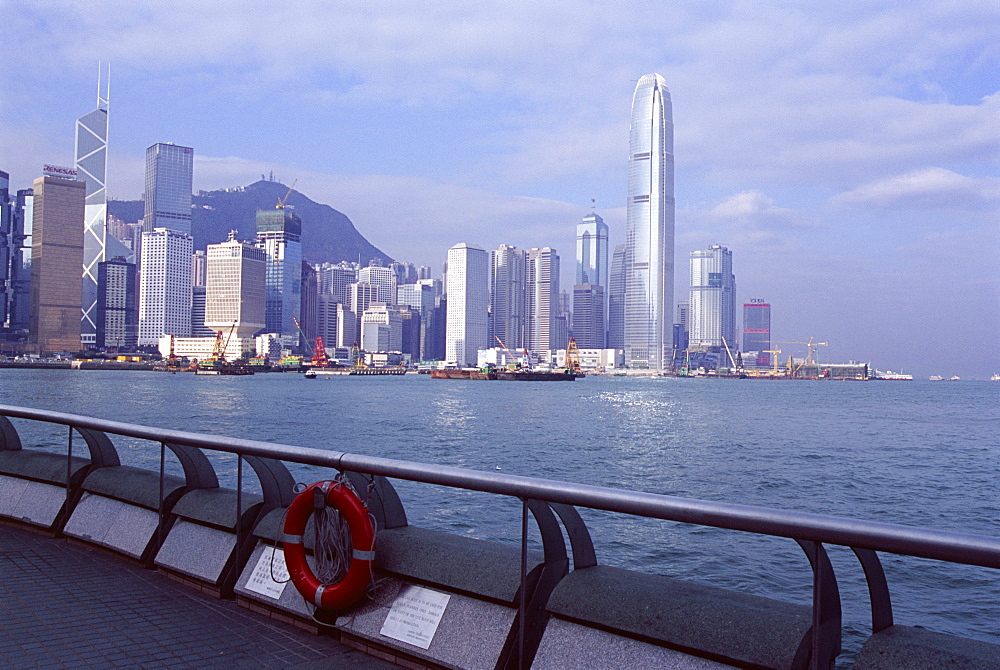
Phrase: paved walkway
(65, 606)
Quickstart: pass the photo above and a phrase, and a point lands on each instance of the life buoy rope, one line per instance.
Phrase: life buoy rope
(352, 587)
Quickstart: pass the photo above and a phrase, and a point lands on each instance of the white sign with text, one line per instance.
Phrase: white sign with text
(270, 575)
(415, 615)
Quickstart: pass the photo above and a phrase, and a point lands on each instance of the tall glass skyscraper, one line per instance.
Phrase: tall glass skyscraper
(592, 251)
(92, 166)
(712, 316)
(649, 233)
(279, 234)
(169, 177)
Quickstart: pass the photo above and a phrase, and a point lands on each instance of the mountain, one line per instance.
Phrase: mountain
(327, 235)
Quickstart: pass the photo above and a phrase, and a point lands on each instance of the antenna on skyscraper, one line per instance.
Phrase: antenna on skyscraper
(593, 206)
(103, 100)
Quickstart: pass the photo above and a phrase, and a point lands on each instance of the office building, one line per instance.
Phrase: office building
(117, 306)
(541, 281)
(384, 281)
(164, 286)
(649, 234)
(419, 298)
(616, 299)
(468, 304)
(381, 329)
(235, 288)
(91, 167)
(15, 260)
(336, 278)
(588, 316)
(279, 234)
(309, 309)
(592, 251)
(507, 297)
(169, 177)
(57, 253)
(199, 268)
(363, 294)
(757, 330)
(335, 322)
(712, 302)
(198, 327)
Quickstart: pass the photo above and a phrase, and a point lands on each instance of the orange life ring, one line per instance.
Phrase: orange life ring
(352, 587)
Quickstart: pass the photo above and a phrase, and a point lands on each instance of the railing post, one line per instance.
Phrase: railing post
(159, 510)
(69, 474)
(239, 507)
(522, 605)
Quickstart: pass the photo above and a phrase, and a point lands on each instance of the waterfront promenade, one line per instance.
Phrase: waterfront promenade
(66, 606)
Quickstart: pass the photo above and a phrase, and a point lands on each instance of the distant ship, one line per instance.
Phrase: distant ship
(892, 376)
(935, 378)
(954, 379)
(995, 378)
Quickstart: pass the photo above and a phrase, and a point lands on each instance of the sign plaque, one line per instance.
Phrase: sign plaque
(261, 580)
(415, 615)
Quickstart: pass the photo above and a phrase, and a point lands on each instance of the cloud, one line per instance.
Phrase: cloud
(933, 187)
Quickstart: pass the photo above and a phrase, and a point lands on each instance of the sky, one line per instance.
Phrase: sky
(848, 154)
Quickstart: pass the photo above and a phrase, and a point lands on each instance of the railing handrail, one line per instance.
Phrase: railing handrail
(948, 546)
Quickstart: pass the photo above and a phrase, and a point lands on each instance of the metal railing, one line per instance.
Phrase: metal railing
(864, 538)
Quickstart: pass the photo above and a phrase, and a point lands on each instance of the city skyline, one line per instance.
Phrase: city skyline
(855, 143)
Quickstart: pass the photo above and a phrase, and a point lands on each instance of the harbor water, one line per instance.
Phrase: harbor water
(918, 453)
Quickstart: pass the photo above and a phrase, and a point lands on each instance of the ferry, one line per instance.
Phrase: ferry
(889, 375)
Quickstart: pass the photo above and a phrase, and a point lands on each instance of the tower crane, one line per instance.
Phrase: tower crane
(281, 201)
(810, 355)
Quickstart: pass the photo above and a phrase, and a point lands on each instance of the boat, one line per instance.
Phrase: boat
(527, 375)
(935, 378)
(954, 379)
(889, 375)
(462, 373)
(995, 378)
(400, 370)
(210, 367)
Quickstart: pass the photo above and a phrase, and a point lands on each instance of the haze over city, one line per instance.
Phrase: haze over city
(847, 155)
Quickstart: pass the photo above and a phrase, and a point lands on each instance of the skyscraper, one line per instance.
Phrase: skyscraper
(757, 329)
(507, 298)
(712, 316)
(57, 252)
(235, 288)
(616, 300)
(383, 279)
(92, 166)
(164, 286)
(541, 288)
(117, 316)
(590, 291)
(279, 234)
(169, 177)
(468, 304)
(649, 234)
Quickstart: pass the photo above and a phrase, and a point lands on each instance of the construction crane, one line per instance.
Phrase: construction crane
(513, 358)
(305, 339)
(810, 354)
(281, 201)
(774, 358)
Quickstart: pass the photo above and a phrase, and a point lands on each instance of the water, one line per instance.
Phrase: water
(920, 453)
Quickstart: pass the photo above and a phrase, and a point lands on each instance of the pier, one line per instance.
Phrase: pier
(142, 554)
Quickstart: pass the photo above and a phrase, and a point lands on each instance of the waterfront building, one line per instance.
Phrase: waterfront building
(467, 304)
(91, 166)
(235, 288)
(381, 328)
(712, 316)
(117, 301)
(649, 234)
(164, 286)
(198, 327)
(507, 296)
(384, 281)
(279, 234)
(757, 330)
(169, 178)
(57, 253)
(199, 268)
(616, 299)
(541, 283)
(588, 316)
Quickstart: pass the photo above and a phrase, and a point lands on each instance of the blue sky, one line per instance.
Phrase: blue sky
(847, 153)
